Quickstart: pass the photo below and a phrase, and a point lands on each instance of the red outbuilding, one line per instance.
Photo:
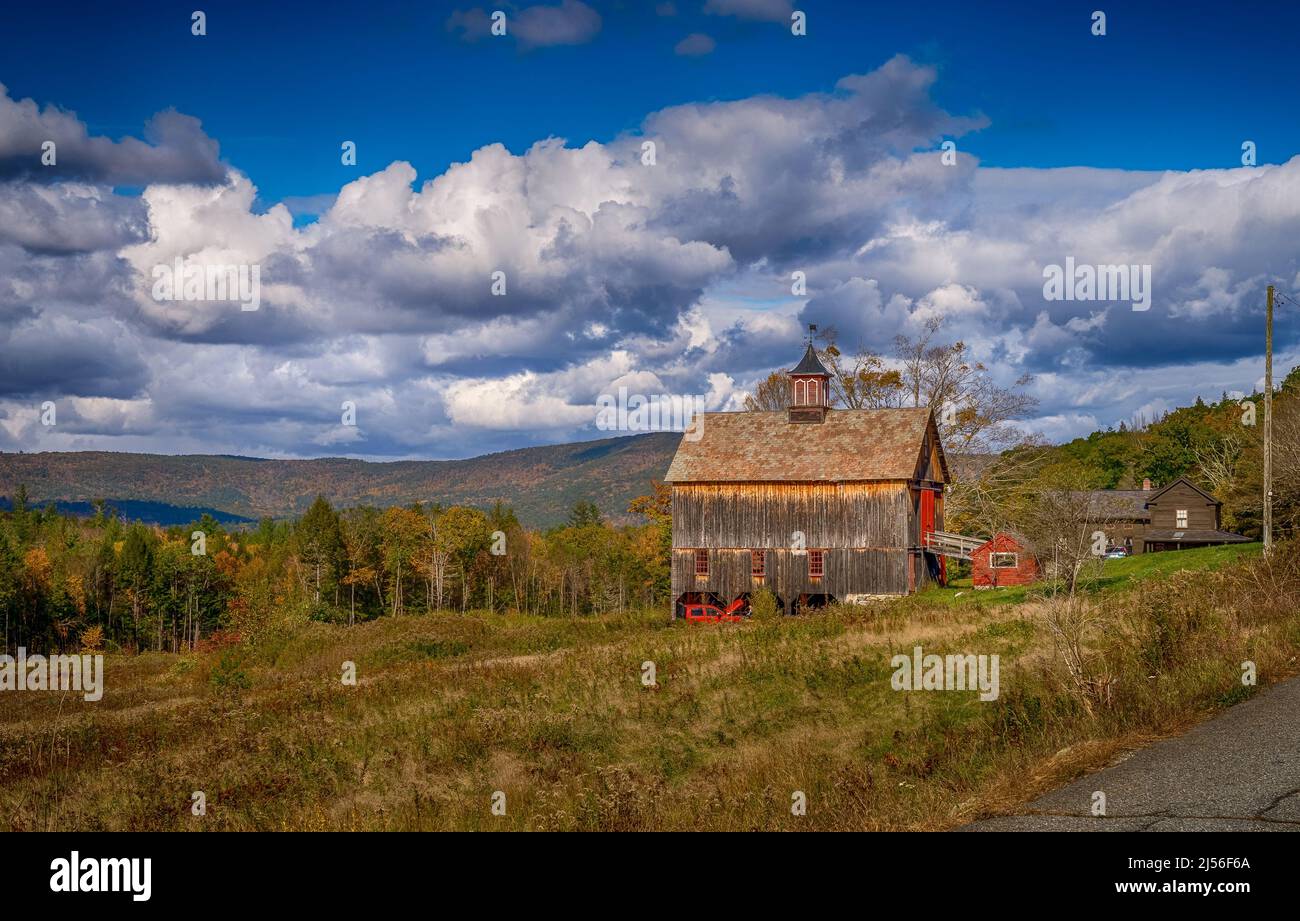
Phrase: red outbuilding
(1003, 560)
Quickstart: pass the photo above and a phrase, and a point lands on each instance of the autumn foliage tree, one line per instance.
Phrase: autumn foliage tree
(974, 414)
(137, 586)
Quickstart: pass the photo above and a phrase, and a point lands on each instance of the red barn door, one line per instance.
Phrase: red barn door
(927, 514)
(927, 528)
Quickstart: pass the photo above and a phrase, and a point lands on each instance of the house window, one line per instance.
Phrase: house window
(758, 563)
(1004, 560)
(816, 563)
(701, 562)
(1180, 518)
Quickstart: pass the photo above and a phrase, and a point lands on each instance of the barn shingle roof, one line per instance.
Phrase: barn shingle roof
(851, 445)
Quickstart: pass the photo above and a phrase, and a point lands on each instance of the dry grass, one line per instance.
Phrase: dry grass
(552, 712)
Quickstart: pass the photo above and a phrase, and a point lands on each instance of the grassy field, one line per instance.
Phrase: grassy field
(449, 710)
(1114, 575)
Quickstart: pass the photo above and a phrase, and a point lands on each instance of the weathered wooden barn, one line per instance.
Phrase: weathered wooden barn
(815, 503)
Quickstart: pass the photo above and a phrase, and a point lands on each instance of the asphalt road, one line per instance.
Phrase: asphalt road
(1238, 772)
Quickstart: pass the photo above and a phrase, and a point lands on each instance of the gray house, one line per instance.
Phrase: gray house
(1170, 518)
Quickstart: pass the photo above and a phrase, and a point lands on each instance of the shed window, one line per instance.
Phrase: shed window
(758, 563)
(816, 563)
(1180, 518)
(701, 562)
(1004, 560)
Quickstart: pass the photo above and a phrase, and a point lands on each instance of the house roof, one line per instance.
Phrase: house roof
(1188, 536)
(1132, 503)
(810, 363)
(1182, 479)
(850, 445)
(1120, 503)
(1008, 537)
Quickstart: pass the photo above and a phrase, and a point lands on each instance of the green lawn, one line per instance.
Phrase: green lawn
(1115, 575)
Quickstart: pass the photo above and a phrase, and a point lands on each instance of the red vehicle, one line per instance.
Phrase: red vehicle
(706, 613)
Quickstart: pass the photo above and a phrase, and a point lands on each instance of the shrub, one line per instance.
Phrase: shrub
(218, 640)
(92, 638)
(228, 674)
(762, 605)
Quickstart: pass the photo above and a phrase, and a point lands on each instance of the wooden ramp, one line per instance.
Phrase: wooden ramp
(954, 545)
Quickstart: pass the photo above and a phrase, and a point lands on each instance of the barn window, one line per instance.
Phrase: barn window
(814, 396)
(816, 563)
(800, 393)
(757, 563)
(701, 562)
(1004, 560)
(1180, 518)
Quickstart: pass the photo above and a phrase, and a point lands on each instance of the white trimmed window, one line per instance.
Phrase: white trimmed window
(1180, 518)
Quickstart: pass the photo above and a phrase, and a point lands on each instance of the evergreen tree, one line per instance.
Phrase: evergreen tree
(135, 569)
(585, 514)
(318, 541)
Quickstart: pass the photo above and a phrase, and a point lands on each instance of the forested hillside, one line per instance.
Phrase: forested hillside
(67, 582)
(541, 484)
(1217, 445)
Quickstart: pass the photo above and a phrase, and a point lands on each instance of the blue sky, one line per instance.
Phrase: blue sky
(1168, 87)
(522, 154)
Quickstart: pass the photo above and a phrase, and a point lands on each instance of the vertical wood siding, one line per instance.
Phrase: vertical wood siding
(830, 515)
(848, 572)
(866, 530)
(1201, 514)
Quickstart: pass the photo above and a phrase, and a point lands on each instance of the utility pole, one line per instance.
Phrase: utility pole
(1268, 425)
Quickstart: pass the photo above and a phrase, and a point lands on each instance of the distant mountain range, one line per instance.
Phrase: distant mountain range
(163, 513)
(541, 484)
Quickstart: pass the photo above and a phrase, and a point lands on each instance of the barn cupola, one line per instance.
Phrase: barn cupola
(809, 386)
